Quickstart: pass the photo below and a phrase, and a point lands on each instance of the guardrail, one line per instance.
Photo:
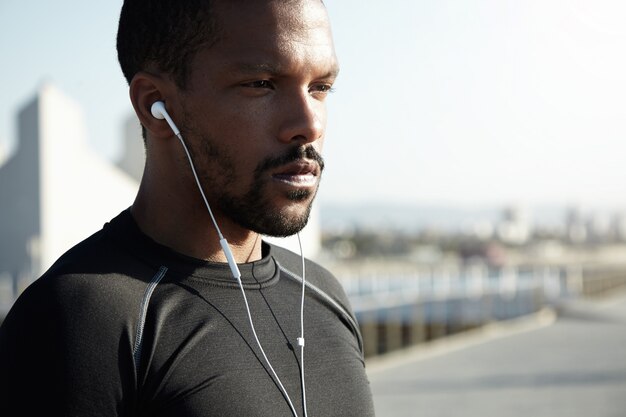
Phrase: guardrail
(396, 311)
(391, 326)
(600, 283)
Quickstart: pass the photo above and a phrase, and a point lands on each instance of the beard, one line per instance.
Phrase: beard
(254, 209)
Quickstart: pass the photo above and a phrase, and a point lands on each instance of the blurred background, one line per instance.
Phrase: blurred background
(475, 164)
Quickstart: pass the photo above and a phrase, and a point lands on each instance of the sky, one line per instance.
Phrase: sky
(463, 103)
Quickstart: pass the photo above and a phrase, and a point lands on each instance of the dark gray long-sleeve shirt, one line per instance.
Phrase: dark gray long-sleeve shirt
(122, 326)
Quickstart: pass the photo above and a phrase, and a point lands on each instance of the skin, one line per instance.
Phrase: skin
(252, 98)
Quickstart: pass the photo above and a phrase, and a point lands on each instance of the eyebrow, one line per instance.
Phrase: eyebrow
(275, 70)
(248, 68)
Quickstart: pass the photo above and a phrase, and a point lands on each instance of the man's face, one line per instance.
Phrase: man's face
(255, 114)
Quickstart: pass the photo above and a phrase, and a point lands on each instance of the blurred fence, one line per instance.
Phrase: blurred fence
(402, 309)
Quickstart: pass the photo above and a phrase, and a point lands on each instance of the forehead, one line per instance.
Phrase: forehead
(258, 32)
(274, 16)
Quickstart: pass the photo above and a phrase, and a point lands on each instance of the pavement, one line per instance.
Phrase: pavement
(565, 362)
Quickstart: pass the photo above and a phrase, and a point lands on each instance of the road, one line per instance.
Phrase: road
(570, 364)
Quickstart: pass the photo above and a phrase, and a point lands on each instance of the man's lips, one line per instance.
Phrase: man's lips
(302, 173)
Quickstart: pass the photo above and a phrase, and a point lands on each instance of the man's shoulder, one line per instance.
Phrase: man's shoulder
(75, 320)
(86, 264)
(112, 254)
(97, 254)
(84, 257)
(97, 275)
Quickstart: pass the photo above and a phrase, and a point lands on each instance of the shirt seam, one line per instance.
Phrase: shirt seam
(143, 311)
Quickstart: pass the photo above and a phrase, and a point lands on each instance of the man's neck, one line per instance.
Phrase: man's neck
(191, 231)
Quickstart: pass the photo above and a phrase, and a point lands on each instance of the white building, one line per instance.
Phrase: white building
(133, 157)
(54, 191)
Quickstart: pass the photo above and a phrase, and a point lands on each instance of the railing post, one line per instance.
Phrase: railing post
(369, 332)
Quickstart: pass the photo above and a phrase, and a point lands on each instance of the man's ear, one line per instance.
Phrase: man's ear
(145, 89)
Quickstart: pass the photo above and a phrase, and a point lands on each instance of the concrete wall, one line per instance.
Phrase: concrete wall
(55, 190)
(80, 191)
(20, 220)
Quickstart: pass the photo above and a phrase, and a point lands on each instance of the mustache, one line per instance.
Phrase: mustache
(292, 155)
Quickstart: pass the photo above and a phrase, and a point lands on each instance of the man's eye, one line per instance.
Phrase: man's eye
(322, 88)
(259, 84)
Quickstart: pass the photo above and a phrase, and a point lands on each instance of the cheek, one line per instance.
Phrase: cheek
(244, 158)
(244, 131)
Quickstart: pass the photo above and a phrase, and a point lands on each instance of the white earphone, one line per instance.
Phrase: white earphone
(158, 112)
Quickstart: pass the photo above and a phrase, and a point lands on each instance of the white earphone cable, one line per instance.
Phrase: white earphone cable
(237, 275)
(301, 338)
(267, 361)
(195, 175)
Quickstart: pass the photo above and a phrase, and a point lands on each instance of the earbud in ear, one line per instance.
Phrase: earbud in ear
(158, 112)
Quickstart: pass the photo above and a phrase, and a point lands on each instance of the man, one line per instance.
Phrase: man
(145, 316)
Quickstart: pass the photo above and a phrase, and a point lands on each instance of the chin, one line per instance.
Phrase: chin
(287, 220)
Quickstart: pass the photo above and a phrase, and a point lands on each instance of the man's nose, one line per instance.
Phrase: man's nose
(304, 119)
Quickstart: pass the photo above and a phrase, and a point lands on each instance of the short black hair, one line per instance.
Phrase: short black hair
(164, 36)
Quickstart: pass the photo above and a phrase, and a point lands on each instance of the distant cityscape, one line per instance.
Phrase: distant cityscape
(511, 224)
(510, 235)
